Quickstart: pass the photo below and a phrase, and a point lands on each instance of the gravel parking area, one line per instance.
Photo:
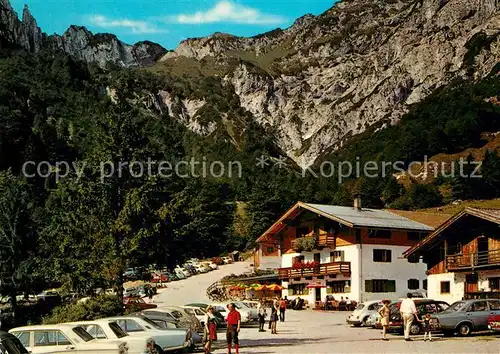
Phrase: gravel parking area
(310, 331)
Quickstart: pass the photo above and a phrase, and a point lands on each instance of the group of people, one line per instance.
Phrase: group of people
(233, 329)
(408, 312)
(278, 309)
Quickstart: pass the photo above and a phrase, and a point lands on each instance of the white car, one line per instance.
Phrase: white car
(246, 315)
(213, 265)
(244, 306)
(200, 269)
(364, 312)
(168, 339)
(185, 272)
(104, 330)
(65, 338)
(197, 312)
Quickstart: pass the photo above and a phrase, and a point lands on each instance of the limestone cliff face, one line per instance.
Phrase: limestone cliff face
(359, 64)
(78, 42)
(324, 79)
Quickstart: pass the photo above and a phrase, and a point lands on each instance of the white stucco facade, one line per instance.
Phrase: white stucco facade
(362, 268)
(457, 285)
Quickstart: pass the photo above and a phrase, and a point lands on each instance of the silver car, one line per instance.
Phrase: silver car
(467, 316)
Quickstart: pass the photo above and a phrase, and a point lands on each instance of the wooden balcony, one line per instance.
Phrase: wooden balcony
(323, 269)
(326, 240)
(466, 261)
(322, 241)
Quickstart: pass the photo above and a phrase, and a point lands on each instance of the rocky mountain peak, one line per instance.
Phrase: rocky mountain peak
(77, 41)
(358, 65)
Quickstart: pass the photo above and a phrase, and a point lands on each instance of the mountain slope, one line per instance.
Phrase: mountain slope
(80, 43)
(330, 77)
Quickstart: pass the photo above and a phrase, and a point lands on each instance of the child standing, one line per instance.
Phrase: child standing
(427, 326)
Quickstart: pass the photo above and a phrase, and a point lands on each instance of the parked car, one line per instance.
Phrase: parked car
(10, 344)
(160, 278)
(198, 312)
(245, 313)
(220, 318)
(212, 265)
(50, 297)
(131, 292)
(183, 271)
(362, 313)
(227, 260)
(64, 338)
(104, 329)
(131, 274)
(182, 315)
(179, 273)
(494, 322)
(165, 320)
(137, 302)
(168, 339)
(424, 306)
(468, 316)
(201, 268)
(172, 276)
(243, 306)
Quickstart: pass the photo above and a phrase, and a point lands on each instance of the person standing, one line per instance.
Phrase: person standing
(210, 329)
(282, 310)
(427, 326)
(262, 315)
(150, 294)
(274, 318)
(233, 328)
(385, 313)
(408, 310)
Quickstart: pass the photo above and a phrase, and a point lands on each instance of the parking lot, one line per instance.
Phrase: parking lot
(319, 332)
(310, 331)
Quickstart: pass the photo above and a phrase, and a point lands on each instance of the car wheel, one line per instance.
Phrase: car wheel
(415, 329)
(364, 321)
(464, 329)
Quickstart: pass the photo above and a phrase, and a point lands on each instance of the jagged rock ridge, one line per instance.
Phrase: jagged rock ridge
(357, 65)
(78, 42)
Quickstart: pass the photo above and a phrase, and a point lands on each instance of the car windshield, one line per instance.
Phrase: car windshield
(83, 334)
(456, 306)
(360, 307)
(151, 323)
(117, 330)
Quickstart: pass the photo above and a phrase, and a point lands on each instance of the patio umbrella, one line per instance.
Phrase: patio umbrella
(260, 288)
(315, 286)
(254, 286)
(273, 287)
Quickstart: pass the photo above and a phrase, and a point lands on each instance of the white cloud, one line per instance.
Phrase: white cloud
(137, 27)
(229, 12)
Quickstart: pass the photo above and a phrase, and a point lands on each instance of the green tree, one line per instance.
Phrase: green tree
(18, 238)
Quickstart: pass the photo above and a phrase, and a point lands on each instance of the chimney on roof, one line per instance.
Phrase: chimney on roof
(357, 201)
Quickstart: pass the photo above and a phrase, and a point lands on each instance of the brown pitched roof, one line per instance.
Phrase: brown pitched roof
(430, 219)
(492, 215)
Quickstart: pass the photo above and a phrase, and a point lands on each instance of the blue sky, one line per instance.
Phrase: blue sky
(169, 21)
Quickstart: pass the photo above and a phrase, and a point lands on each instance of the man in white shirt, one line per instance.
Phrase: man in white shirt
(408, 310)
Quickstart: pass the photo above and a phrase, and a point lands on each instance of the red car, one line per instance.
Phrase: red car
(494, 322)
(159, 278)
(137, 302)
